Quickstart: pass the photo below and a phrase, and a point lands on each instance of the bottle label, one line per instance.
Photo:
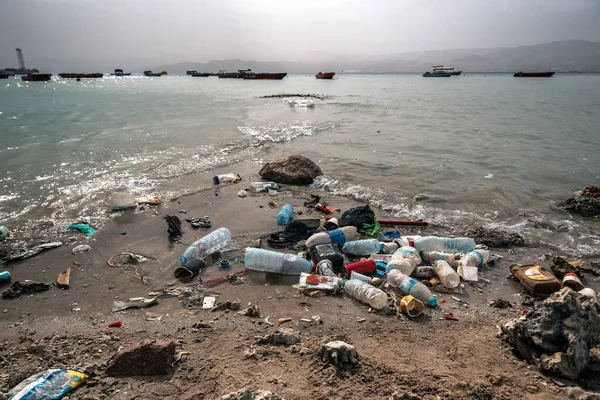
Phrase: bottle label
(535, 274)
(480, 257)
(337, 237)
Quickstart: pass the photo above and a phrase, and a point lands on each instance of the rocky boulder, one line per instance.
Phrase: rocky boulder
(558, 334)
(294, 169)
(150, 357)
(495, 237)
(585, 202)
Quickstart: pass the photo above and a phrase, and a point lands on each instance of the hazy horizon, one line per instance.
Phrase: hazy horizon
(70, 35)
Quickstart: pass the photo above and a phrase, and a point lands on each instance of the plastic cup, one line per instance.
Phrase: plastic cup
(411, 306)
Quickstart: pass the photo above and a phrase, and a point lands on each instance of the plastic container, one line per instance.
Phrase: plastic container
(257, 187)
(336, 236)
(433, 256)
(475, 258)
(275, 262)
(225, 178)
(4, 277)
(411, 286)
(211, 243)
(571, 280)
(366, 293)
(122, 201)
(405, 259)
(447, 275)
(443, 244)
(411, 306)
(587, 292)
(362, 247)
(285, 214)
(536, 280)
(360, 277)
(329, 252)
(363, 267)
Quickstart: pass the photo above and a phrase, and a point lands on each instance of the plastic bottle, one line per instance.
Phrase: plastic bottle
(475, 258)
(336, 236)
(4, 277)
(405, 259)
(367, 267)
(362, 247)
(211, 243)
(285, 214)
(390, 247)
(433, 256)
(411, 286)
(443, 244)
(273, 261)
(325, 267)
(366, 293)
(447, 275)
(360, 277)
(257, 187)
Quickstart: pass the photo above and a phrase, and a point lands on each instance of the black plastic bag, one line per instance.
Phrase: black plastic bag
(358, 216)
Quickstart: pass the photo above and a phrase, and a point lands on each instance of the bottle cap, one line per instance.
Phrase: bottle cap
(432, 302)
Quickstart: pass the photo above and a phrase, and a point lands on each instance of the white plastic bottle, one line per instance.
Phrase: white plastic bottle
(447, 275)
(257, 187)
(433, 256)
(211, 243)
(405, 259)
(273, 261)
(443, 244)
(390, 247)
(410, 286)
(360, 277)
(337, 236)
(475, 258)
(366, 293)
(362, 247)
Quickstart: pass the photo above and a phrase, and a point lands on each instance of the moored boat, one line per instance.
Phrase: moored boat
(3, 76)
(436, 75)
(522, 74)
(325, 75)
(233, 75)
(440, 69)
(150, 73)
(36, 77)
(119, 72)
(78, 75)
(266, 75)
(200, 74)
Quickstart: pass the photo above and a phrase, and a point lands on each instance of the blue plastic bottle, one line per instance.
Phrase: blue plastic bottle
(4, 277)
(285, 215)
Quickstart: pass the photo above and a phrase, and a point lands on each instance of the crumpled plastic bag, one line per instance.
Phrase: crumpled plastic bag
(51, 384)
(83, 228)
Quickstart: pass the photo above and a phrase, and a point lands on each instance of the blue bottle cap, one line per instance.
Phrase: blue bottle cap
(183, 260)
(432, 302)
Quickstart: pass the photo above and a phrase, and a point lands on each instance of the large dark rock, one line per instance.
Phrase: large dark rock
(151, 357)
(495, 237)
(558, 334)
(293, 169)
(585, 202)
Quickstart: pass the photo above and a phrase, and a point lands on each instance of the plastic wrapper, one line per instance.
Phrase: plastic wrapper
(51, 384)
(330, 284)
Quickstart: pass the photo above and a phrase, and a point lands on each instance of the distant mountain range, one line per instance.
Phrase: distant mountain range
(563, 56)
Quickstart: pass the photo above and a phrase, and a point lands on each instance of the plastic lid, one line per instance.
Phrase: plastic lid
(183, 260)
(432, 302)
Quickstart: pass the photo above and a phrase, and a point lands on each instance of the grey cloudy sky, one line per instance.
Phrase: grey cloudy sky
(104, 34)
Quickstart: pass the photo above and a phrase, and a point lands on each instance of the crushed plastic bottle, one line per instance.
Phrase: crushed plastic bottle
(362, 247)
(447, 275)
(285, 214)
(475, 258)
(411, 286)
(275, 262)
(257, 187)
(405, 259)
(337, 236)
(433, 256)
(211, 243)
(366, 293)
(444, 244)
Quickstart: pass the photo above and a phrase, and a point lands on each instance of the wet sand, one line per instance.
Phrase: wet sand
(428, 356)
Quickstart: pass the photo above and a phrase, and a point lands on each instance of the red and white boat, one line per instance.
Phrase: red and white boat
(325, 75)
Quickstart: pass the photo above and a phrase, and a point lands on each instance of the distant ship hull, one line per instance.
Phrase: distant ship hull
(200, 74)
(150, 73)
(37, 77)
(522, 74)
(325, 75)
(437, 75)
(81, 76)
(3, 76)
(266, 75)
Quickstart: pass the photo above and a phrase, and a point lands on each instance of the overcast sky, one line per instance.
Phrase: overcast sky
(90, 35)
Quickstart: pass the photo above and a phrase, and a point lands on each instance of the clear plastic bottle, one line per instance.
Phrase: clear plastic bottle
(443, 244)
(433, 256)
(475, 258)
(285, 214)
(362, 247)
(390, 247)
(360, 277)
(366, 293)
(211, 243)
(337, 236)
(325, 267)
(447, 275)
(410, 286)
(405, 259)
(273, 261)
(257, 187)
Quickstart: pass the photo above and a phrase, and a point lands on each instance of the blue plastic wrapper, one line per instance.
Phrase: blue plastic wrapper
(51, 384)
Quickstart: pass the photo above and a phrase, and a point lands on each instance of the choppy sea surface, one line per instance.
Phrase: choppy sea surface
(487, 149)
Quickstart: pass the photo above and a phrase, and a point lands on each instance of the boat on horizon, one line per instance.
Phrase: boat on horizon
(265, 75)
(4, 76)
(200, 74)
(325, 75)
(440, 69)
(119, 72)
(36, 77)
(79, 75)
(522, 74)
(233, 75)
(436, 75)
(150, 73)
